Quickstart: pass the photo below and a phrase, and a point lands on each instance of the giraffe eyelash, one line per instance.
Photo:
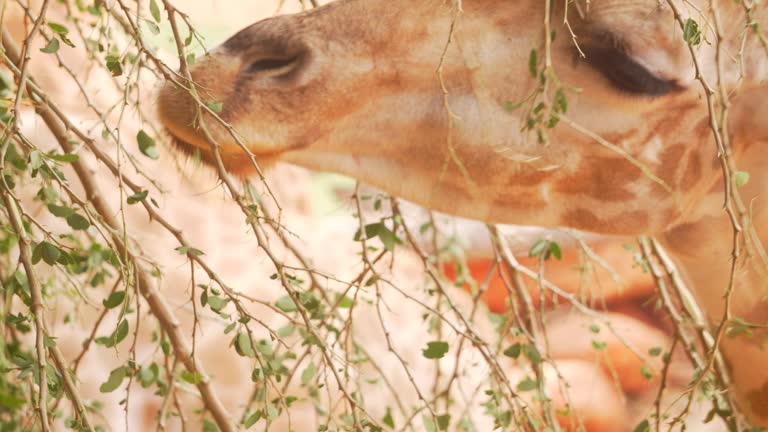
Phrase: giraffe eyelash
(609, 54)
(625, 74)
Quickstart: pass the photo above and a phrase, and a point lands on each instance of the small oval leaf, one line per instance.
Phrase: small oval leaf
(114, 300)
(113, 382)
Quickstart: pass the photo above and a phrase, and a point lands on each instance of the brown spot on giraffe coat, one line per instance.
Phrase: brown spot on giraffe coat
(528, 176)
(670, 160)
(521, 199)
(606, 181)
(635, 221)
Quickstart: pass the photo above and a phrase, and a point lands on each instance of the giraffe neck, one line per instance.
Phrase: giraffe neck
(703, 248)
(703, 252)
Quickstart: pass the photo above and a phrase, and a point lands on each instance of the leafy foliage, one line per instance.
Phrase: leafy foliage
(65, 244)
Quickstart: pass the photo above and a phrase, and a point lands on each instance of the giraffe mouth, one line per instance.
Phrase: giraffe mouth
(237, 162)
(189, 149)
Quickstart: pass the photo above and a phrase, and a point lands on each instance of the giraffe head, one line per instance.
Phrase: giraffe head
(466, 109)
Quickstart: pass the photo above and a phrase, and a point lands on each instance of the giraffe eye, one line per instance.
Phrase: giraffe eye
(626, 74)
(271, 65)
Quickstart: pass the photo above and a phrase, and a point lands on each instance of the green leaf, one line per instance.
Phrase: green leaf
(532, 353)
(35, 160)
(691, 32)
(204, 298)
(599, 345)
(308, 373)
(252, 419)
(78, 222)
(65, 258)
(243, 345)
(510, 106)
(533, 63)
(552, 122)
(49, 252)
(272, 412)
(114, 300)
(153, 28)
(52, 47)
(286, 331)
(154, 10)
(286, 304)
(538, 248)
(435, 350)
(188, 250)
(646, 372)
(230, 327)
(554, 248)
(443, 421)
(527, 385)
(37, 254)
(387, 237)
(380, 230)
(66, 157)
(388, 420)
(58, 28)
(121, 332)
(643, 426)
(429, 424)
(740, 178)
(560, 104)
(209, 426)
(116, 337)
(60, 211)
(49, 342)
(426, 226)
(193, 378)
(344, 302)
(737, 327)
(711, 415)
(217, 303)
(115, 379)
(371, 230)
(655, 351)
(137, 197)
(544, 249)
(148, 375)
(114, 65)
(147, 145)
(513, 351)
(214, 106)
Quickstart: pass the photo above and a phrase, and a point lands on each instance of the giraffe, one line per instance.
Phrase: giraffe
(438, 104)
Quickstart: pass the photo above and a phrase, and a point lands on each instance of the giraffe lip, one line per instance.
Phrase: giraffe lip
(183, 145)
(241, 161)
